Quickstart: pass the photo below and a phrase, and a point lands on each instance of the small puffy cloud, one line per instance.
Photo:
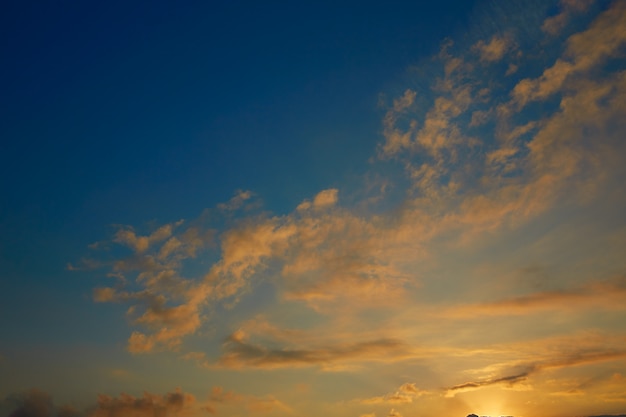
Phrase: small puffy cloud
(394, 413)
(127, 236)
(104, 295)
(239, 199)
(493, 50)
(325, 198)
(395, 139)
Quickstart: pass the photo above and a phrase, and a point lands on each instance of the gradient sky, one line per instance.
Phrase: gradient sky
(386, 209)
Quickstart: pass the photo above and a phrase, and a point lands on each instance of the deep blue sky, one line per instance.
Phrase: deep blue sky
(104, 101)
(119, 113)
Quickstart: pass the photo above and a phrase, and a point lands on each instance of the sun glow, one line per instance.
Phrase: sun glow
(491, 403)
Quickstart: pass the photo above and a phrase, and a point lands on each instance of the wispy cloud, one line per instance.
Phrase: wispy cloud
(548, 354)
(493, 50)
(599, 295)
(239, 353)
(554, 24)
(479, 161)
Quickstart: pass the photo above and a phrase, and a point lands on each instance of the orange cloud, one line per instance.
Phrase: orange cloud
(609, 294)
(548, 354)
(585, 51)
(554, 24)
(462, 186)
(404, 395)
(493, 50)
(255, 405)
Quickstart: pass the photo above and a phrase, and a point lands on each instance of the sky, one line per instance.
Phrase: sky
(359, 209)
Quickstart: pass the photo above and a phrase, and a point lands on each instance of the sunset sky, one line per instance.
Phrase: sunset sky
(342, 209)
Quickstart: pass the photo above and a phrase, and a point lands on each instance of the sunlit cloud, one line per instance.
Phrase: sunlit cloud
(596, 295)
(496, 148)
(493, 50)
(405, 394)
(462, 184)
(220, 398)
(549, 354)
(556, 23)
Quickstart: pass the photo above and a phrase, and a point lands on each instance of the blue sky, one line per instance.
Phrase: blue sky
(335, 208)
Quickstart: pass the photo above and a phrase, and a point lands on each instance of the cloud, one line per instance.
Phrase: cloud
(395, 140)
(35, 403)
(148, 405)
(255, 405)
(493, 50)
(323, 199)
(129, 238)
(478, 164)
(585, 50)
(240, 353)
(554, 24)
(405, 394)
(509, 380)
(238, 201)
(549, 354)
(155, 264)
(394, 413)
(607, 294)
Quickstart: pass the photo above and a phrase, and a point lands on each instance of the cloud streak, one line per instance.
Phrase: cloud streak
(549, 354)
(240, 353)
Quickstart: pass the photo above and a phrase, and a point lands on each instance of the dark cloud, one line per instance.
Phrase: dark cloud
(149, 405)
(35, 403)
(511, 380)
(610, 415)
(240, 352)
(563, 360)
